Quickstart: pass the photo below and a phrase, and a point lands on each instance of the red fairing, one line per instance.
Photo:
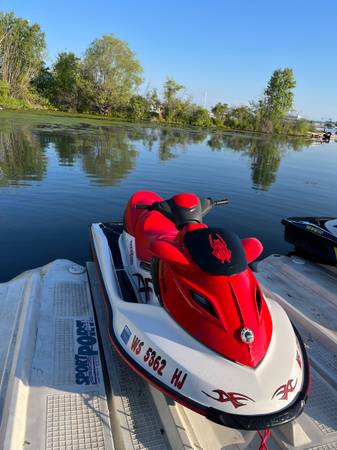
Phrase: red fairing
(166, 249)
(132, 215)
(146, 226)
(186, 200)
(234, 300)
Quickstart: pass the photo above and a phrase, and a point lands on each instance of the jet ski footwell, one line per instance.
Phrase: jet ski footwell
(56, 395)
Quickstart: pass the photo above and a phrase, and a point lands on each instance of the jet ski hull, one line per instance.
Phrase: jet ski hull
(160, 351)
(316, 237)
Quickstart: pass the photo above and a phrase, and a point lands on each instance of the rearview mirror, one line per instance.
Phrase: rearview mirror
(253, 248)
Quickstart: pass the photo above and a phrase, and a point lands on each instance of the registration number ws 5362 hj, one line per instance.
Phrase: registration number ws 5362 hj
(156, 362)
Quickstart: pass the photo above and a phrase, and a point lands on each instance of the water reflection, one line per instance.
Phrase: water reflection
(265, 153)
(171, 141)
(109, 153)
(22, 156)
(108, 156)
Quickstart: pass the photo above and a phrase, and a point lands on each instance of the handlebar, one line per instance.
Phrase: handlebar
(182, 216)
(206, 204)
(140, 206)
(224, 201)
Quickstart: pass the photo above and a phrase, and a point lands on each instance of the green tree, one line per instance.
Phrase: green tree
(219, 112)
(44, 82)
(299, 127)
(240, 118)
(111, 74)
(200, 117)
(173, 106)
(278, 99)
(67, 81)
(138, 108)
(21, 52)
(181, 113)
(171, 89)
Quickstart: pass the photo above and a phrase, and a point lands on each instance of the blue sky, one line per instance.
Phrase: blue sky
(224, 48)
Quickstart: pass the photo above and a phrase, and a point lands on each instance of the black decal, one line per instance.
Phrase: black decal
(156, 363)
(148, 354)
(153, 355)
(144, 285)
(176, 381)
(162, 367)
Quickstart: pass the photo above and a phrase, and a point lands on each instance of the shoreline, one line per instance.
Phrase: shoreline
(112, 119)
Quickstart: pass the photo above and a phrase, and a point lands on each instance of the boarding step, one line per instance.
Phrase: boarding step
(52, 393)
(306, 286)
(308, 293)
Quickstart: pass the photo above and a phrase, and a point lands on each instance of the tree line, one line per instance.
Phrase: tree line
(106, 81)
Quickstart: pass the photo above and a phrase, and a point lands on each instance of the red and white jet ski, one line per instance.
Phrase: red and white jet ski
(186, 313)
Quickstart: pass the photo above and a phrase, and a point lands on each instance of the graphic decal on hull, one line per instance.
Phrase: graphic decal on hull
(144, 285)
(235, 398)
(220, 249)
(285, 389)
(298, 359)
(86, 356)
(125, 335)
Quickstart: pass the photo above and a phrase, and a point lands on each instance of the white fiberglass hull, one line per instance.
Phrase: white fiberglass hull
(151, 342)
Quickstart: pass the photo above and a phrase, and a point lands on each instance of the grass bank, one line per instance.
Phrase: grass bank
(106, 120)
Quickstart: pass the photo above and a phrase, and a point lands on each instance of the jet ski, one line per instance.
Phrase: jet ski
(186, 313)
(316, 237)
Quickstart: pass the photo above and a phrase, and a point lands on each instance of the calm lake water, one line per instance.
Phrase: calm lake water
(58, 175)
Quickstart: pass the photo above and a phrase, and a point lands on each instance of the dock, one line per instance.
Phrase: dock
(63, 387)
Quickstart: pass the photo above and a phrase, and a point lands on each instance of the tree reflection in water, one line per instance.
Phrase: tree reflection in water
(22, 158)
(265, 153)
(108, 153)
(171, 140)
